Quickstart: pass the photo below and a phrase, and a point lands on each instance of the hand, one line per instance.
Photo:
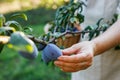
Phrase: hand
(78, 57)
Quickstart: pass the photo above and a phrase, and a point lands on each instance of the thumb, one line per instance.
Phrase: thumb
(70, 50)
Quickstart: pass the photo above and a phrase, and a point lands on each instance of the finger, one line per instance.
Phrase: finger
(65, 69)
(75, 58)
(74, 69)
(70, 50)
(79, 66)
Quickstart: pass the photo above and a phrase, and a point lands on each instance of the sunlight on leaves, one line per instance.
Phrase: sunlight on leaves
(21, 15)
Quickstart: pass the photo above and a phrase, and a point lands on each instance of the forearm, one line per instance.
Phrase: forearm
(108, 39)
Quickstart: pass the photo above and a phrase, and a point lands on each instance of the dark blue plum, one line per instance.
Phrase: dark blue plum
(41, 46)
(51, 52)
(28, 55)
(17, 39)
(45, 59)
(20, 39)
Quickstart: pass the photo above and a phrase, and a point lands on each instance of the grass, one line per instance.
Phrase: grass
(15, 67)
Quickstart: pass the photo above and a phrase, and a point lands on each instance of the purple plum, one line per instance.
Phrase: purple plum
(28, 55)
(51, 52)
(45, 59)
(20, 40)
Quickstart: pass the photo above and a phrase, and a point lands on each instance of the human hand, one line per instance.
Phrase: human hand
(78, 57)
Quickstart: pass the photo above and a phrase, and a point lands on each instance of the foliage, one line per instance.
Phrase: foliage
(67, 15)
(65, 18)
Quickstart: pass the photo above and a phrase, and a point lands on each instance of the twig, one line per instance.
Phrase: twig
(36, 40)
(69, 32)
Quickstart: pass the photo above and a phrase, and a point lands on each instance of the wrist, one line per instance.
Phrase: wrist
(94, 45)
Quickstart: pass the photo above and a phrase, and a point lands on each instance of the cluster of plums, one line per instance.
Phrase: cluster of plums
(50, 51)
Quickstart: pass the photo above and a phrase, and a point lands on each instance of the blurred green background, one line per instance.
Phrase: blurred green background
(12, 65)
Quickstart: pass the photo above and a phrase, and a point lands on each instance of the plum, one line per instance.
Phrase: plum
(23, 45)
(28, 55)
(45, 59)
(50, 53)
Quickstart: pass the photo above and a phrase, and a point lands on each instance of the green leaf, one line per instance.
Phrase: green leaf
(80, 17)
(74, 20)
(2, 20)
(60, 21)
(97, 33)
(98, 23)
(88, 28)
(2, 31)
(105, 27)
(91, 35)
(21, 15)
(6, 30)
(48, 36)
(14, 24)
(18, 41)
(28, 30)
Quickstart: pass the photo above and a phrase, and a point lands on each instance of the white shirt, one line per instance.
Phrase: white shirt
(107, 65)
(97, 9)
